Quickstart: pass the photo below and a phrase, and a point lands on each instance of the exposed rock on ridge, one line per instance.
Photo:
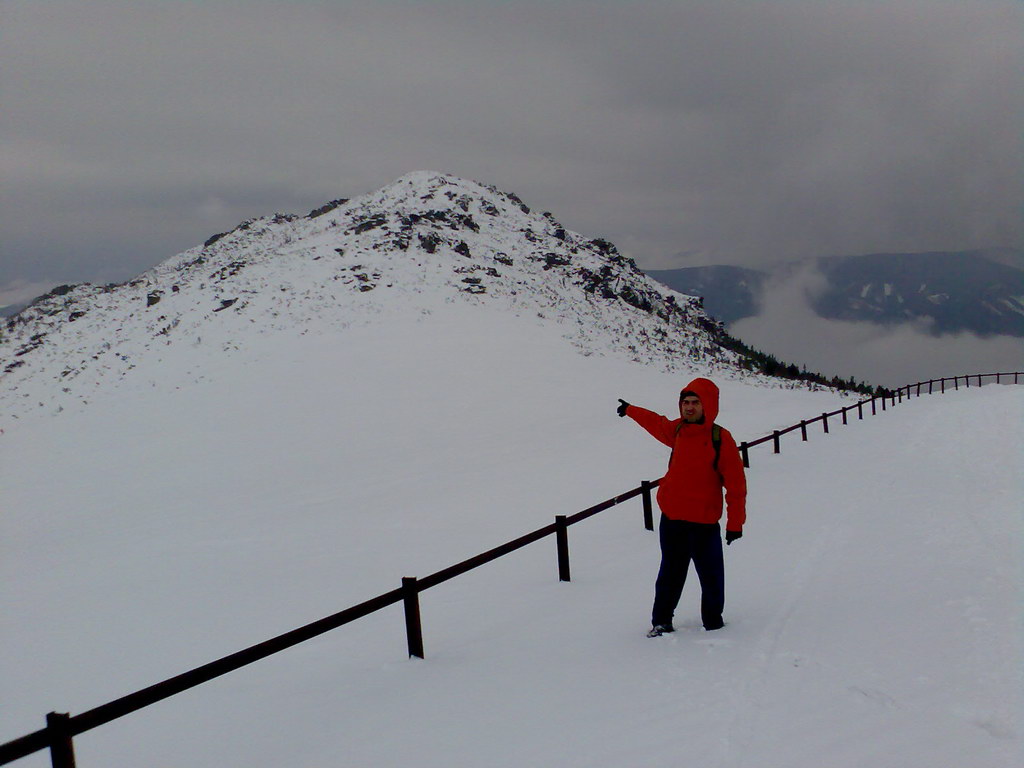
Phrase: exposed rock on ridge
(426, 240)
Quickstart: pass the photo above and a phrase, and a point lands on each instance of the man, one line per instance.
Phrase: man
(690, 498)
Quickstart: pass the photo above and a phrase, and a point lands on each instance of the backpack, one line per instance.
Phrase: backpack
(716, 442)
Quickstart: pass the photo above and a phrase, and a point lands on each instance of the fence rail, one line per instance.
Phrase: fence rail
(887, 399)
(61, 728)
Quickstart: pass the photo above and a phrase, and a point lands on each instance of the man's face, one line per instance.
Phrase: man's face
(691, 409)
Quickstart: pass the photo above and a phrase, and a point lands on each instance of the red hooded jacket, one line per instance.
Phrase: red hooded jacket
(691, 489)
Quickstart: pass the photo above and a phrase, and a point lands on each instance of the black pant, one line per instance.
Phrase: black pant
(681, 542)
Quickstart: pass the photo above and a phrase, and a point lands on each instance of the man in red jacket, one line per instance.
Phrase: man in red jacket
(704, 461)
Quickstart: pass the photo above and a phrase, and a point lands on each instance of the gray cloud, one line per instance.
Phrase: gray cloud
(892, 356)
(738, 132)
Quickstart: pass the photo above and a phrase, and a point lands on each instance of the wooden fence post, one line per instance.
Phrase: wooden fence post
(956, 383)
(62, 749)
(874, 407)
(943, 382)
(803, 430)
(745, 452)
(884, 398)
(413, 627)
(648, 507)
(844, 417)
(824, 422)
(930, 386)
(860, 411)
(562, 541)
(775, 440)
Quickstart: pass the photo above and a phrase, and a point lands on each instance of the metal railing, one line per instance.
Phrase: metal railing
(61, 728)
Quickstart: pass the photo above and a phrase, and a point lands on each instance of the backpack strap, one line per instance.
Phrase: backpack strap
(716, 441)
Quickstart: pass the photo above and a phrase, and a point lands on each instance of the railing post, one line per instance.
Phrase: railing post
(824, 422)
(919, 389)
(844, 417)
(62, 749)
(956, 383)
(413, 627)
(998, 375)
(900, 393)
(979, 379)
(860, 411)
(930, 386)
(562, 539)
(884, 398)
(648, 506)
(943, 382)
(745, 452)
(803, 430)
(967, 381)
(775, 440)
(874, 405)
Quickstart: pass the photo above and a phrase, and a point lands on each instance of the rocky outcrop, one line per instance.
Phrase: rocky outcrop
(423, 241)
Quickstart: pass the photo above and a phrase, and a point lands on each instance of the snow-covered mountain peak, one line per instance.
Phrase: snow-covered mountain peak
(419, 188)
(412, 248)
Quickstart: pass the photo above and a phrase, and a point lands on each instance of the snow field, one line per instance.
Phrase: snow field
(873, 603)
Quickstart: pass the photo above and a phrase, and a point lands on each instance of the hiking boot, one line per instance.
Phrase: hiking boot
(660, 629)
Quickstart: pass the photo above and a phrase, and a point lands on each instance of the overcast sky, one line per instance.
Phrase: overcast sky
(685, 132)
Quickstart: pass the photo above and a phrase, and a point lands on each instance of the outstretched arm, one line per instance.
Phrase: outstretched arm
(660, 428)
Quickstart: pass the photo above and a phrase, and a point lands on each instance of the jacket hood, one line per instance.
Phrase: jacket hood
(708, 394)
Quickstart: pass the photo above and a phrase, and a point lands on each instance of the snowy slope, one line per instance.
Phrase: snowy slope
(425, 242)
(873, 603)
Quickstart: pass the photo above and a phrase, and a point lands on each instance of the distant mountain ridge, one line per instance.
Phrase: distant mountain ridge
(730, 293)
(409, 249)
(977, 291)
(12, 309)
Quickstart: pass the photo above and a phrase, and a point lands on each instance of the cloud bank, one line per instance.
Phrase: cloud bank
(735, 132)
(788, 328)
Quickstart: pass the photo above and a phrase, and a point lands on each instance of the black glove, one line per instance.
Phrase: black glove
(731, 536)
(623, 405)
